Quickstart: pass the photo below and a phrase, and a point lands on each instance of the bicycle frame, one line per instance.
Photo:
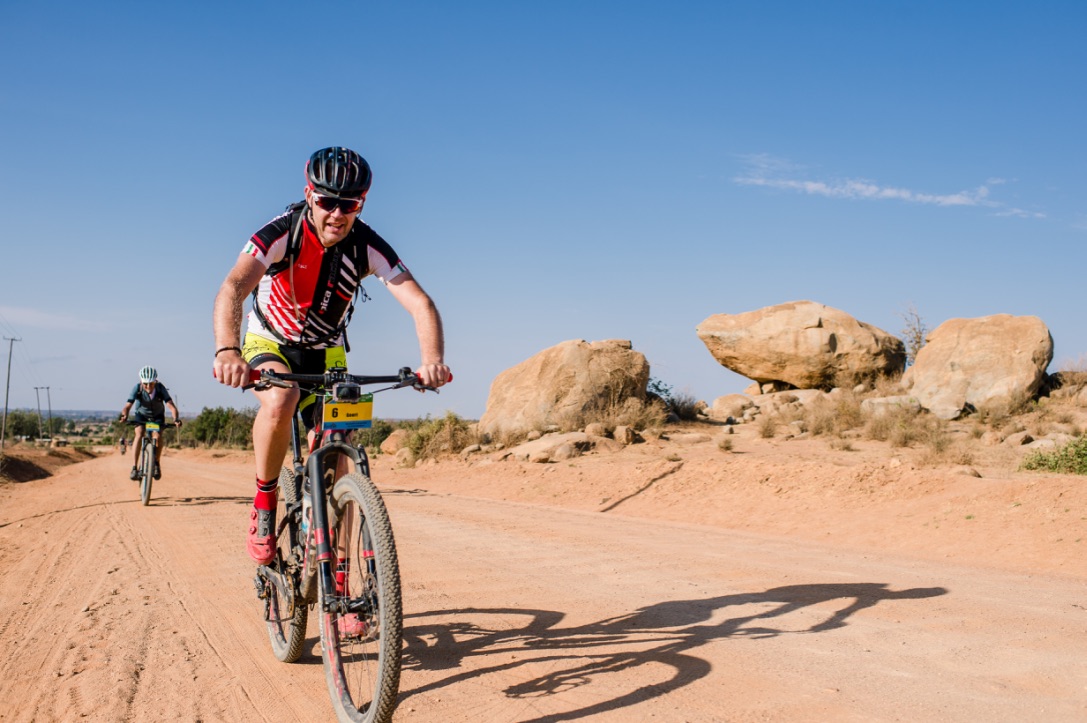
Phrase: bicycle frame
(327, 444)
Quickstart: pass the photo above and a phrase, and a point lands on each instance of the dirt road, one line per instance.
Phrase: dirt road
(514, 612)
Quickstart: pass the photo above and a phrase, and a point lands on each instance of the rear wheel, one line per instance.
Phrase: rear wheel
(147, 462)
(287, 612)
(361, 638)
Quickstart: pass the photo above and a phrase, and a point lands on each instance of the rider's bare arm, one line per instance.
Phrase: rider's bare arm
(230, 368)
(125, 410)
(428, 327)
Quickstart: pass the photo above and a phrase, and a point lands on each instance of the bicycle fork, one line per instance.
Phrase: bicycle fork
(321, 526)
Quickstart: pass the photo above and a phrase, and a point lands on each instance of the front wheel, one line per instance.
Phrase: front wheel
(286, 613)
(362, 625)
(147, 462)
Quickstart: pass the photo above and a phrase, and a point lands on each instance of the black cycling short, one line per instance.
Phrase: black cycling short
(257, 350)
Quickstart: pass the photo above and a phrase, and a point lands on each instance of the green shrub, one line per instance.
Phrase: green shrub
(435, 437)
(682, 404)
(1070, 458)
(221, 427)
(372, 438)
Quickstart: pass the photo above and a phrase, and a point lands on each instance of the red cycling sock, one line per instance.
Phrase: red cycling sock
(265, 498)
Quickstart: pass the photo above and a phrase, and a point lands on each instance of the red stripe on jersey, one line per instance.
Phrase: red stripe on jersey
(284, 324)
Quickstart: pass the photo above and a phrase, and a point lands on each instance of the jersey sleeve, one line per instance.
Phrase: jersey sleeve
(133, 393)
(269, 244)
(382, 260)
(165, 393)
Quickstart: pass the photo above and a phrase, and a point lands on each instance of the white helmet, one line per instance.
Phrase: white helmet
(148, 375)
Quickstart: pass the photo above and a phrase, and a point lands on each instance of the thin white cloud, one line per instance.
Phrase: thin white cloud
(21, 317)
(770, 172)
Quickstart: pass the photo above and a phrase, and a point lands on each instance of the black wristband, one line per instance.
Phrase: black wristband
(227, 348)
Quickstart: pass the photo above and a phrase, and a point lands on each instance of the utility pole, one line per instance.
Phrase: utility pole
(7, 388)
(41, 434)
(49, 401)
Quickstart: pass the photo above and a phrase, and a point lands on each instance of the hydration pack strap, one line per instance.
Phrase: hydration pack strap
(294, 245)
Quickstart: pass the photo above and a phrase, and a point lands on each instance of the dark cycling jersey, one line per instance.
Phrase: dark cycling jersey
(309, 299)
(149, 406)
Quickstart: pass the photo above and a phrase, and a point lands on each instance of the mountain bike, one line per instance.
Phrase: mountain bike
(148, 455)
(335, 549)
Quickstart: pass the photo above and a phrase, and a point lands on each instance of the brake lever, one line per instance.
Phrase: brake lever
(266, 383)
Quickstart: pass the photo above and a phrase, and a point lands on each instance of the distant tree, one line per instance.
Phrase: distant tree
(22, 423)
(222, 426)
(914, 333)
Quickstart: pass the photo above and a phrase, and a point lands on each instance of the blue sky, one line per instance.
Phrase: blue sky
(549, 171)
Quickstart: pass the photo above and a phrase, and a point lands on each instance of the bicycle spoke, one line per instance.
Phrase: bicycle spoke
(362, 635)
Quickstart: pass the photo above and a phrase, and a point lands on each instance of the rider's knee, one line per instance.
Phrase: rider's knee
(279, 402)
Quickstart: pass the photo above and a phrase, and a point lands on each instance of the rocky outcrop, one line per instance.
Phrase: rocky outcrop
(803, 344)
(968, 364)
(396, 441)
(564, 382)
(555, 447)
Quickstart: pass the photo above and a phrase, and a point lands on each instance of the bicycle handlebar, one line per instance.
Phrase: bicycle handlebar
(132, 422)
(264, 378)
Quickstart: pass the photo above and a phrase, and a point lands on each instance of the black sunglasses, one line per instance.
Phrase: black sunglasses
(331, 203)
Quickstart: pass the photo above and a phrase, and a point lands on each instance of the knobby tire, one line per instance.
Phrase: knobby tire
(286, 627)
(147, 459)
(362, 654)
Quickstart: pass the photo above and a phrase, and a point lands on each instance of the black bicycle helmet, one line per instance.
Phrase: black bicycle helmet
(338, 171)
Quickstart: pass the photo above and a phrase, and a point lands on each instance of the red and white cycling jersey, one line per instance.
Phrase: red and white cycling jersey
(309, 299)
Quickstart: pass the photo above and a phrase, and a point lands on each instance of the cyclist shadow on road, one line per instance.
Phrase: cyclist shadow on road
(662, 634)
(198, 501)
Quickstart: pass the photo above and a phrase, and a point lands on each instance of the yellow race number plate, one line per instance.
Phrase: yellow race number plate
(349, 415)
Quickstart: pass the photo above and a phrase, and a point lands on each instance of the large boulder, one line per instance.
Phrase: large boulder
(564, 382)
(973, 363)
(802, 343)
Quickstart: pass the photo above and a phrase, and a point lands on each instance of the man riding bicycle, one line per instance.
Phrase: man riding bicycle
(151, 399)
(306, 267)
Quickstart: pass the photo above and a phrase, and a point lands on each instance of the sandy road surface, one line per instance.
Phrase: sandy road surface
(514, 612)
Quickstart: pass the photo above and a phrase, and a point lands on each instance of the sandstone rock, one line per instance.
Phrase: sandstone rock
(878, 406)
(803, 344)
(777, 402)
(549, 444)
(1018, 439)
(626, 435)
(565, 451)
(730, 405)
(973, 363)
(395, 441)
(566, 381)
(596, 429)
(404, 458)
